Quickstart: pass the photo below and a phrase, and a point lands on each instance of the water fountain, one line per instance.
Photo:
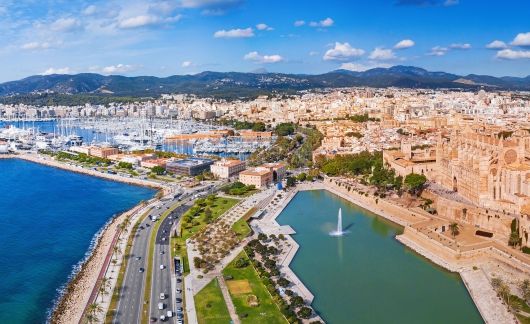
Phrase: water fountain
(338, 231)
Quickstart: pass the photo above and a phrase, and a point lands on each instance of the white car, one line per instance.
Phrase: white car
(162, 267)
(162, 296)
(161, 306)
(169, 313)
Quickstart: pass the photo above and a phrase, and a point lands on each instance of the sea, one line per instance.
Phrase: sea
(48, 221)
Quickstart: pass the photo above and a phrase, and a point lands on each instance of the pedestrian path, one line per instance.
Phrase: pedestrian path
(228, 300)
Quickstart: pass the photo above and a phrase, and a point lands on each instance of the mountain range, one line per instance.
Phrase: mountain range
(236, 84)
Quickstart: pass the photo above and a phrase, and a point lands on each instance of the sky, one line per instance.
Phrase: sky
(168, 37)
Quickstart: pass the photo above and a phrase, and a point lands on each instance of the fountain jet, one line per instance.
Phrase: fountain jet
(339, 231)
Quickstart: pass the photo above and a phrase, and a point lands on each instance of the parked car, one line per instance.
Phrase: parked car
(161, 306)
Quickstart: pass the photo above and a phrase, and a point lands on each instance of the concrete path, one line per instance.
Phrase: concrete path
(486, 299)
(228, 300)
(191, 312)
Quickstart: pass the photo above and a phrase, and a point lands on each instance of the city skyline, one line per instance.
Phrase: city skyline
(162, 38)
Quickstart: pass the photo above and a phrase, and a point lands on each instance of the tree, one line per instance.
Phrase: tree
(291, 182)
(158, 170)
(241, 263)
(454, 228)
(415, 182)
(259, 127)
(305, 312)
(301, 177)
(282, 282)
(297, 301)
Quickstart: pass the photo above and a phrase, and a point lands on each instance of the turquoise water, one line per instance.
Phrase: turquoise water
(367, 276)
(48, 218)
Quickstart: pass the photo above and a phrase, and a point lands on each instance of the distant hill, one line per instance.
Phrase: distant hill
(234, 84)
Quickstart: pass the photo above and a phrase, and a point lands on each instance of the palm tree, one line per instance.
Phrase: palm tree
(93, 310)
(454, 228)
(91, 318)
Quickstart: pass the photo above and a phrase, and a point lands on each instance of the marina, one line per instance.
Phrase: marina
(129, 135)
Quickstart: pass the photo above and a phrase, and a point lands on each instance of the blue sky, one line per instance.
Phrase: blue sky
(166, 37)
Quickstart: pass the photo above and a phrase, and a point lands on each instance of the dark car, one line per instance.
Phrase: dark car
(141, 270)
(153, 319)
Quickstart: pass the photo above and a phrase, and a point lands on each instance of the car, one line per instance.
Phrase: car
(169, 313)
(162, 318)
(162, 267)
(147, 225)
(171, 223)
(161, 306)
(163, 239)
(153, 319)
(162, 252)
(141, 270)
(180, 315)
(180, 309)
(179, 291)
(162, 296)
(179, 280)
(179, 300)
(179, 321)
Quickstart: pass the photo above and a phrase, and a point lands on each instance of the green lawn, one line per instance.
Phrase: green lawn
(241, 227)
(267, 311)
(210, 305)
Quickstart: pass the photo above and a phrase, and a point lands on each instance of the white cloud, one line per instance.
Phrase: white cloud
(31, 46)
(90, 10)
(64, 70)
(497, 44)
(342, 52)
(382, 54)
(209, 3)
(186, 64)
(258, 58)
(438, 51)
(461, 46)
(509, 54)
(263, 27)
(146, 20)
(65, 24)
(313, 53)
(114, 69)
(406, 43)
(234, 33)
(299, 23)
(522, 39)
(361, 67)
(328, 22)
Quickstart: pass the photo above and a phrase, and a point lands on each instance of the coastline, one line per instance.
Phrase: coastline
(474, 278)
(83, 282)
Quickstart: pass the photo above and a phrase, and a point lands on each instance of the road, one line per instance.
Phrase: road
(130, 302)
(162, 257)
(131, 298)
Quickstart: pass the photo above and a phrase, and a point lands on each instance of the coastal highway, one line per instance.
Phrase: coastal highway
(131, 295)
(131, 298)
(162, 257)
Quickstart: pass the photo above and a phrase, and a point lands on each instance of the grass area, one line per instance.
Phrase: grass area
(266, 311)
(149, 268)
(210, 305)
(241, 227)
(121, 275)
(195, 220)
